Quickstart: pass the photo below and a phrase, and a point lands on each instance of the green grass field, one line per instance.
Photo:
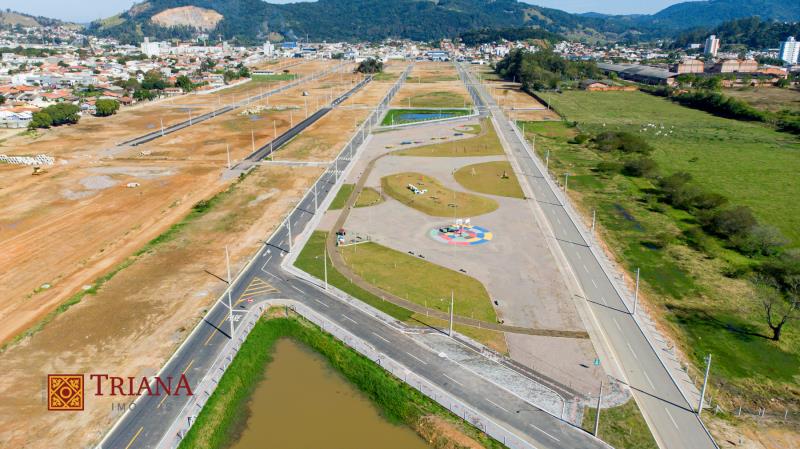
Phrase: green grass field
(390, 270)
(430, 79)
(437, 99)
(707, 310)
(438, 201)
(311, 261)
(749, 163)
(275, 77)
(622, 427)
(341, 196)
(368, 197)
(385, 76)
(494, 178)
(226, 409)
(395, 116)
(485, 144)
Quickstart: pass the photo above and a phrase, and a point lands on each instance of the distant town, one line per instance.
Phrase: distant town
(44, 66)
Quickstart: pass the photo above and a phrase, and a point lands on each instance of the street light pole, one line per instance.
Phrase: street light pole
(161, 119)
(636, 293)
(252, 141)
(325, 262)
(228, 150)
(594, 219)
(230, 285)
(566, 181)
(452, 301)
(289, 227)
(705, 382)
(597, 415)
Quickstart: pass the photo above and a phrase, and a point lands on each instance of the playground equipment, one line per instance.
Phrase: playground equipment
(417, 191)
(461, 233)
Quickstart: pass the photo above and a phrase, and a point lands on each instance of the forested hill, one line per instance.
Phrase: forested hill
(250, 21)
(751, 32)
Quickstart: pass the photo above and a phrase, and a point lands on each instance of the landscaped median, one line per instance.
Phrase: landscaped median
(486, 143)
(432, 198)
(494, 178)
(226, 410)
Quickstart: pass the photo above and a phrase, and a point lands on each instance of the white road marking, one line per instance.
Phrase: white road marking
(540, 430)
(632, 352)
(317, 300)
(594, 283)
(417, 358)
(381, 337)
(585, 269)
(349, 319)
(498, 406)
(603, 298)
(459, 383)
(648, 380)
(671, 418)
(301, 291)
(617, 324)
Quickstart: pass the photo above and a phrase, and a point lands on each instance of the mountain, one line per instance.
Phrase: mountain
(250, 21)
(13, 18)
(751, 32)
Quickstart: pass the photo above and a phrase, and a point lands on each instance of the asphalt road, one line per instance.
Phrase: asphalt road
(669, 415)
(209, 115)
(147, 423)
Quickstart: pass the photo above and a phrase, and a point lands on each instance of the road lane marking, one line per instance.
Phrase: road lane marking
(417, 358)
(540, 430)
(617, 324)
(188, 366)
(349, 319)
(594, 283)
(162, 401)
(317, 300)
(381, 337)
(671, 418)
(585, 269)
(648, 380)
(301, 291)
(130, 443)
(459, 383)
(498, 406)
(632, 352)
(214, 332)
(603, 298)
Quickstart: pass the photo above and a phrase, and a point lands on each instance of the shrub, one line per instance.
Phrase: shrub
(731, 222)
(608, 167)
(643, 167)
(580, 139)
(622, 141)
(761, 239)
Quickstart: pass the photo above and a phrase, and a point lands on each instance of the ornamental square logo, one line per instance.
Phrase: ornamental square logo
(65, 392)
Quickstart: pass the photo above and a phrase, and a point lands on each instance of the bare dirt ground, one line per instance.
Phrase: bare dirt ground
(63, 229)
(323, 140)
(141, 315)
(427, 78)
(510, 97)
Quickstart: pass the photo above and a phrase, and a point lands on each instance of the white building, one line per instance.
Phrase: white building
(269, 49)
(150, 49)
(790, 51)
(712, 46)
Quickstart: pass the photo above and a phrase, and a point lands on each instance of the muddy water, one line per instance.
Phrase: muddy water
(302, 403)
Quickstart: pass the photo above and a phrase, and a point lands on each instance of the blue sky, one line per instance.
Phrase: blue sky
(88, 10)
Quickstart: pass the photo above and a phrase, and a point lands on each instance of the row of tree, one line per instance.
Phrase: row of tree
(543, 69)
(777, 269)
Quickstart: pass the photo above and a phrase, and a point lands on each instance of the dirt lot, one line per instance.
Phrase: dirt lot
(140, 316)
(323, 140)
(514, 101)
(426, 80)
(62, 230)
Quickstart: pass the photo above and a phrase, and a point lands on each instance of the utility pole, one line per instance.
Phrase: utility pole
(325, 263)
(230, 285)
(636, 293)
(597, 415)
(452, 302)
(228, 150)
(705, 382)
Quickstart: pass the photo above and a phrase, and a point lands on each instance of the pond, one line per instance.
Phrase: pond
(304, 403)
(421, 116)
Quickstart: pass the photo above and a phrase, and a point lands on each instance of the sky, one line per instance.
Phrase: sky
(88, 10)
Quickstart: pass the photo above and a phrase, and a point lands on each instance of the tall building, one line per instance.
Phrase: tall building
(790, 51)
(712, 46)
(269, 49)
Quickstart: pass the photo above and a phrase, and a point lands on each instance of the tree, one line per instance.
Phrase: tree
(184, 83)
(761, 239)
(642, 167)
(106, 107)
(2, 99)
(731, 222)
(41, 119)
(370, 65)
(153, 80)
(779, 308)
(143, 94)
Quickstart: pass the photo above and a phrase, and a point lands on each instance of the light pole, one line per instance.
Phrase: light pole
(705, 382)
(228, 150)
(597, 415)
(452, 302)
(289, 227)
(547, 160)
(325, 264)
(566, 181)
(230, 285)
(161, 119)
(636, 292)
(252, 141)
(594, 218)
